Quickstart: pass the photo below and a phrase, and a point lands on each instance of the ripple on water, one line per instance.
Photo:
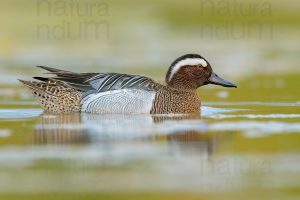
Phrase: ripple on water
(256, 128)
(208, 111)
(19, 113)
(100, 127)
(257, 116)
(29, 113)
(5, 133)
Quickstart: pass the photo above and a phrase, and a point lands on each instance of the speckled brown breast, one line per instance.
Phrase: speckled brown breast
(169, 100)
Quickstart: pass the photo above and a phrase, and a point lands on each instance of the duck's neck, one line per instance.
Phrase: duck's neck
(184, 87)
(181, 82)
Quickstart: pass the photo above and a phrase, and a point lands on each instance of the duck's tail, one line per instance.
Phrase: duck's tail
(55, 96)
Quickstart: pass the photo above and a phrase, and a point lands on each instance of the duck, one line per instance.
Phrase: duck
(117, 93)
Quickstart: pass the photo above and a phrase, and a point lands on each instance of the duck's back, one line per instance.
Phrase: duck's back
(94, 92)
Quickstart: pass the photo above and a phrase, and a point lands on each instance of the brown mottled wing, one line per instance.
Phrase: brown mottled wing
(100, 82)
(55, 96)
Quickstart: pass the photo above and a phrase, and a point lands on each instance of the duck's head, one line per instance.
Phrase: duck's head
(191, 71)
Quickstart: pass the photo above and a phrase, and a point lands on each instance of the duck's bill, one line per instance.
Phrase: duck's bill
(216, 80)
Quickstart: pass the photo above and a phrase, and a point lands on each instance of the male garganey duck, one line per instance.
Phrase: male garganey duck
(122, 93)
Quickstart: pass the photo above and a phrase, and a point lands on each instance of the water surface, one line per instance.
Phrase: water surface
(230, 148)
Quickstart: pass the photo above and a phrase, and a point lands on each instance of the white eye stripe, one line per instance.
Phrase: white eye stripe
(187, 61)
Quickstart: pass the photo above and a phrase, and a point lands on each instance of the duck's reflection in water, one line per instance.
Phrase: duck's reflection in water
(186, 132)
(60, 129)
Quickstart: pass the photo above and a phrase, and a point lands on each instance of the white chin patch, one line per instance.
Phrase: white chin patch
(187, 61)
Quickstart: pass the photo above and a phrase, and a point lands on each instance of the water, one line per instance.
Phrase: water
(228, 149)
